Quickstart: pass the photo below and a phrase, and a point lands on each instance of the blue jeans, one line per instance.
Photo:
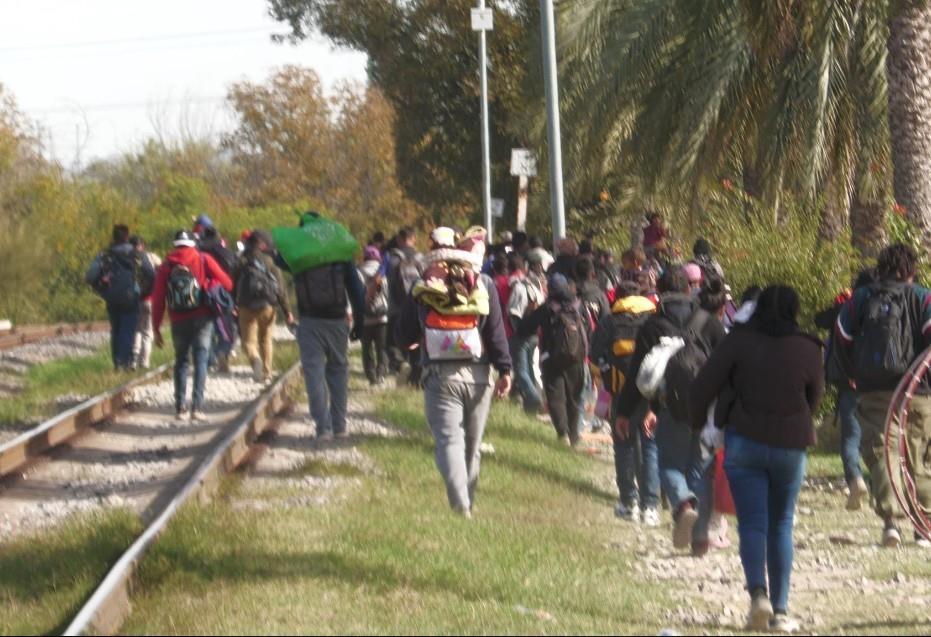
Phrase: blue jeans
(765, 482)
(847, 402)
(191, 337)
(680, 465)
(636, 464)
(523, 372)
(323, 344)
(122, 335)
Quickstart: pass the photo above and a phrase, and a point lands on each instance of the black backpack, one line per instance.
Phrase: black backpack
(256, 287)
(322, 290)
(568, 345)
(684, 366)
(884, 345)
(183, 291)
(117, 282)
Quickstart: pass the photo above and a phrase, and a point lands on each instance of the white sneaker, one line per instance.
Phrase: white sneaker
(651, 517)
(326, 436)
(181, 415)
(258, 373)
(891, 538)
(858, 491)
(198, 416)
(761, 614)
(782, 623)
(628, 514)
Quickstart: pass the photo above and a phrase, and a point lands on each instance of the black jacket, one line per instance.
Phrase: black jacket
(673, 315)
(543, 319)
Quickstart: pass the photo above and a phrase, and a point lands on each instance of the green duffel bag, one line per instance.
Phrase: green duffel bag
(315, 242)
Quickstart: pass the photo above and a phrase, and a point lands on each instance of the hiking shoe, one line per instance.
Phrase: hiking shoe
(326, 436)
(761, 612)
(565, 440)
(891, 538)
(258, 373)
(198, 416)
(685, 522)
(341, 435)
(181, 415)
(223, 363)
(782, 623)
(651, 517)
(858, 492)
(627, 513)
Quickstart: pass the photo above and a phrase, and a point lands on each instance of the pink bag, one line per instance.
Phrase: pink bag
(603, 406)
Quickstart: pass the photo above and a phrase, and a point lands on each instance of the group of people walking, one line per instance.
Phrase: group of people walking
(210, 292)
(690, 380)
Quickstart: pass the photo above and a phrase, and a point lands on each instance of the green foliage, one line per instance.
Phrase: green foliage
(44, 581)
(754, 249)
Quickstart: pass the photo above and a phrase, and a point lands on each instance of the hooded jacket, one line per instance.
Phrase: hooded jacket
(672, 316)
(615, 339)
(369, 271)
(777, 384)
(204, 268)
(543, 318)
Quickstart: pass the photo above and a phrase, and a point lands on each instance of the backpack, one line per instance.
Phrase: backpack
(884, 346)
(404, 275)
(223, 256)
(623, 336)
(452, 337)
(256, 286)
(322, 290)
(117, 281)
(684, 366)
(568, 345)
(183, 291)
(376, 296)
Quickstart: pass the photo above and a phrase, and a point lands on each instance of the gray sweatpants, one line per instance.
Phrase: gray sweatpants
(456, 412)
(323, 344)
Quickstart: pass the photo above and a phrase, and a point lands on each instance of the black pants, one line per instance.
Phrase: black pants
(563, 388)
(375, 351)
(395, 355)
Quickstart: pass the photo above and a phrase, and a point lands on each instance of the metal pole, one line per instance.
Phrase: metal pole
(548, 25)
(486, 138)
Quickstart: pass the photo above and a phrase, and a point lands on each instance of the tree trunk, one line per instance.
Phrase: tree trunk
(837, 202)
(867, 225)
(909, 71)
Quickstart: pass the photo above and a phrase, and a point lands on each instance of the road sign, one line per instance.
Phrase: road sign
(523, 163)
(482, 20)
(497, 208)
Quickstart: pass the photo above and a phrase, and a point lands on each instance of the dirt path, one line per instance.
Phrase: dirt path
(842, 581)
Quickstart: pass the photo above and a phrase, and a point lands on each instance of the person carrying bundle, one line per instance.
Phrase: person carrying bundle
(453, 314)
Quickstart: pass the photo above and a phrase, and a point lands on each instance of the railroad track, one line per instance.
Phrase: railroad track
(49, 464)
(25, 334)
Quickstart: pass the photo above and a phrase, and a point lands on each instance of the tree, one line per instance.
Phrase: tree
(909, 70)
(786, 96)
(282, 139)
(423, 56)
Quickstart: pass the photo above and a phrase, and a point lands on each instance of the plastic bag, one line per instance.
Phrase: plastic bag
(317, 241)
(653, 367)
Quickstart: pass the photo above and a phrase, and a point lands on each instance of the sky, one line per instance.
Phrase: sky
(101, 76)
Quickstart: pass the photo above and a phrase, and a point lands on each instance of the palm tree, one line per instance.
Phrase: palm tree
(790, 93)
(909, 71)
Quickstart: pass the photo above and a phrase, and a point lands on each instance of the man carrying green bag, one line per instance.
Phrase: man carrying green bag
(319, 254)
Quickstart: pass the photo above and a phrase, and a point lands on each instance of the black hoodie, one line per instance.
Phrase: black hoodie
(672, 316)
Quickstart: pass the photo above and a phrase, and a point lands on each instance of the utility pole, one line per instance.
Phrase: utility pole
(548, 26)
(482, 22)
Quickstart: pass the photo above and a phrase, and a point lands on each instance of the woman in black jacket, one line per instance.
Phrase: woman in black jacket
(776, 376)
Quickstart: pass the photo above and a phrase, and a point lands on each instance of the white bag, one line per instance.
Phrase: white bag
(712, 437)
(653, 367)
(453, 345)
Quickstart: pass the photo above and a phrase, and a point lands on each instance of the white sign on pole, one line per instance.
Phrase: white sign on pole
(497, 208)
(523, 163)
(482, 20)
